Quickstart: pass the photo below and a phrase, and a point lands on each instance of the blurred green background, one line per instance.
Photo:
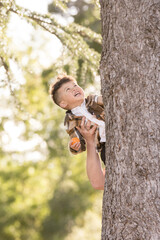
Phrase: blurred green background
(45, 192)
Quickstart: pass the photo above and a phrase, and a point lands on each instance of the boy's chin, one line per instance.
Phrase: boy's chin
(79, 101)
(79, 98)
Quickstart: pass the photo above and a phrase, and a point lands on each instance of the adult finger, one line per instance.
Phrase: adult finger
(83, 123)
(80, 129)
(93, 129)
(88, 125)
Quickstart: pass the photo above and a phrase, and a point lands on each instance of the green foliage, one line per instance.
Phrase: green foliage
(86, 26)
(45, 193)
(75, 45)
(71, 200)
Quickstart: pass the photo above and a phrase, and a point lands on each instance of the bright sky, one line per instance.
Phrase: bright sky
(39, 6)
(21, 34)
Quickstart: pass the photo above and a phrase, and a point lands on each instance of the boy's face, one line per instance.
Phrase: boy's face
(71, 95)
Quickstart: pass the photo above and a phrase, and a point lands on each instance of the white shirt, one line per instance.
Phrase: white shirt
(82, 111)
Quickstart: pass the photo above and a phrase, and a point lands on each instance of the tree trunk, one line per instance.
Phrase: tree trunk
(130, 73)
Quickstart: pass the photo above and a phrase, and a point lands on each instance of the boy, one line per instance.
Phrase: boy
(68, 95)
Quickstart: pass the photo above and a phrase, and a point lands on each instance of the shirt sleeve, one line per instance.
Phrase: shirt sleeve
(76, 133)
(70, 124)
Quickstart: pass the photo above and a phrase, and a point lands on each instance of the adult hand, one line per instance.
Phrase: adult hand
(87, 130)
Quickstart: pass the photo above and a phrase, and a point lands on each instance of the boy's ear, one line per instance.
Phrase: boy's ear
(63, 104)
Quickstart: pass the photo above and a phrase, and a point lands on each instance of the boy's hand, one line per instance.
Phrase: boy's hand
(94, 98)
(91, 99)
(100, 100)
(76, 146)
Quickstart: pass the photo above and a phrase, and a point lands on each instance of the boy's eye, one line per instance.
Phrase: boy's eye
(67, 89)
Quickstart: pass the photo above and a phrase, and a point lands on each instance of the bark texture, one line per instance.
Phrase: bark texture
(130, 75)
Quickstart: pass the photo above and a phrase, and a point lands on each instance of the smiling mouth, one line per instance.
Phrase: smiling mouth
(78, 93)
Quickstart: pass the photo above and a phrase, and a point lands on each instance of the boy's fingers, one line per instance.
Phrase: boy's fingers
(76, 146)
(90, 100)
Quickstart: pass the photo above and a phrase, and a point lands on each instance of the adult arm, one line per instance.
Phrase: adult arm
(94, 169)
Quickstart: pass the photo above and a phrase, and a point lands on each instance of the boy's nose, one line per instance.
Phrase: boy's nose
(73, 89)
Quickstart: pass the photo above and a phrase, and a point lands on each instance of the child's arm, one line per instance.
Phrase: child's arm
(70, 123)
(94, 169)
(91, 99)
(100, 100)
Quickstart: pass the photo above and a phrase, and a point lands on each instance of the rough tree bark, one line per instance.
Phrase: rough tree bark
(130, 73)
